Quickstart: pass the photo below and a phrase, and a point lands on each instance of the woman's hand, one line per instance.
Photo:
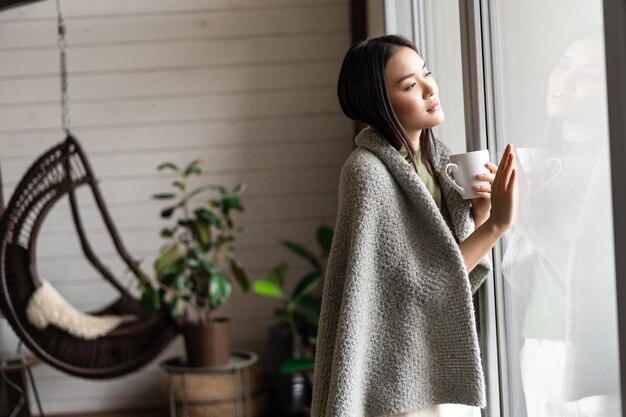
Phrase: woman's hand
(481, 205)
(480, 242)
(503, 192)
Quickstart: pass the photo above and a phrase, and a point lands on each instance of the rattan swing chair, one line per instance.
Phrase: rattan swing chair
(57, 174)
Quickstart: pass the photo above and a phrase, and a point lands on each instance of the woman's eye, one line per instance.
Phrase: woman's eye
(589, 73)
(413, 84)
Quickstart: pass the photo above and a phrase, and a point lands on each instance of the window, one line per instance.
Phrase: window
(538, 70)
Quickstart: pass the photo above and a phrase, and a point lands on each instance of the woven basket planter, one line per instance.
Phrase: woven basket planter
(215, 394)
(225, 409)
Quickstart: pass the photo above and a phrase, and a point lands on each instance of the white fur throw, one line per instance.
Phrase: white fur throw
(46, 306)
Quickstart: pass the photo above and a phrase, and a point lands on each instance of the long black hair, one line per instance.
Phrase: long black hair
(363, 96)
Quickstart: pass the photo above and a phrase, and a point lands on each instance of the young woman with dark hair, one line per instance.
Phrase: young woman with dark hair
(397, 332)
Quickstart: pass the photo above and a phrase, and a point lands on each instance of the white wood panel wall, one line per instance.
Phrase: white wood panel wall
(247, 85)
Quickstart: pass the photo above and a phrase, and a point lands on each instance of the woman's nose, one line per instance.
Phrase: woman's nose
(567, 80)
(429, 91)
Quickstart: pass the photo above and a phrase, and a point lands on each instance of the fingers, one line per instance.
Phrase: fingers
(509, 168)
(486, 177)
(506, 163)
(492, 167)
(485, 188)
(511, 184)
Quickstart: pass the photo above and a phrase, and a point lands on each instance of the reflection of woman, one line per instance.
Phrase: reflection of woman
(397, 334)
(592, 357)
(548, 223)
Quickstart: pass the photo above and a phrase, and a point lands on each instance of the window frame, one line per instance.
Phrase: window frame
(615, 52)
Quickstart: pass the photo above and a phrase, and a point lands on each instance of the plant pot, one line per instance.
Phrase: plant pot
(290, 393)
(207, 344)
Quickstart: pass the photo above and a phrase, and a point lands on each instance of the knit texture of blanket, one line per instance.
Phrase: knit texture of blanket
(397, 330)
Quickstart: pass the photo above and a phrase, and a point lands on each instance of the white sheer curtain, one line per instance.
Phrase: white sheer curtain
(558, 263)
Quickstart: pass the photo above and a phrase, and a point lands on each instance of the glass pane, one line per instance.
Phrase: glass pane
(399, 17)
(442, 53)
(558, 259)
(444, 60)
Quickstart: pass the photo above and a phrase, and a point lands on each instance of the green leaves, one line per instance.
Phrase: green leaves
(180, 185)
(194, 167)
(208, 217)
(167, 165)
(239, 188)
(164, 196)
(185, 270)
(166, 213)
(309, 307)
(297, 365)
(272, 284)
(167, 259)
(230, 203)
(177, 307)
(219, 290)
(150, 300)
(303, 252)
(240, 274)
(202, 233)
(325, 238)
(223, 191)
(301, 310)
(209, 267)
(278, 275)
(306, 285)
(268, 289)
(282, 314)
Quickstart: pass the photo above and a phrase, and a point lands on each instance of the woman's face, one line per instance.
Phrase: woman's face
(412, 91)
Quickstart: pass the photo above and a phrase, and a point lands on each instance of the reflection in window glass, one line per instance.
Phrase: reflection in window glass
(558, 262)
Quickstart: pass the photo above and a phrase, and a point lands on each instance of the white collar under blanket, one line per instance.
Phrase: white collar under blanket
(397, 330)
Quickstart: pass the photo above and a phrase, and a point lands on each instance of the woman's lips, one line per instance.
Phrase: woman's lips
(434, 107)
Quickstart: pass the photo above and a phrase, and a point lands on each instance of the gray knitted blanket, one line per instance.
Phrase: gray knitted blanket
(397, 329)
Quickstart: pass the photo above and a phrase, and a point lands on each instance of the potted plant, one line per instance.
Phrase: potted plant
(291, 350)
(190, 271)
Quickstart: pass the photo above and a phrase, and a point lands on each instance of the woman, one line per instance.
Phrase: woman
(397, 334)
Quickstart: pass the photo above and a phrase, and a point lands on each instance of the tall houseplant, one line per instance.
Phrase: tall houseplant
(190, 278)
(291, 350)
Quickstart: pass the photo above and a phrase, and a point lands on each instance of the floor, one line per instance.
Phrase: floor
(133, 413)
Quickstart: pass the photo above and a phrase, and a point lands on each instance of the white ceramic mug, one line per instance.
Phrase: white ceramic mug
(464, 168)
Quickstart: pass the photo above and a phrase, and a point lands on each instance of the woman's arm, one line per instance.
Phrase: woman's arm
(478, 220)
(501, 196)
(479, 243)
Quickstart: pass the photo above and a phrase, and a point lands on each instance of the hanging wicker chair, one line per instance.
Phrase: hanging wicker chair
(57, 173)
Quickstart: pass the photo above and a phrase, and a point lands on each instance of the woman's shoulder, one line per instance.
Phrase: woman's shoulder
(365, 164)
(364, 171)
